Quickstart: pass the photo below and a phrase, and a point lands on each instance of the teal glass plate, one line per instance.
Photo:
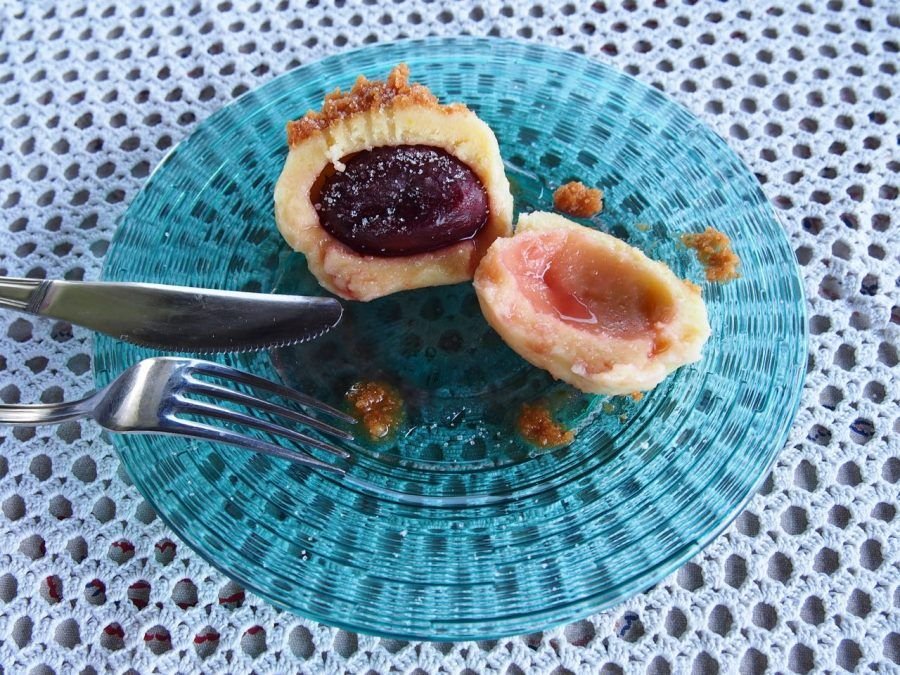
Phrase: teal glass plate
(456, 529)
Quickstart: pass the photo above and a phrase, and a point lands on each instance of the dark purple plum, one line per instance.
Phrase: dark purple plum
(402, 200)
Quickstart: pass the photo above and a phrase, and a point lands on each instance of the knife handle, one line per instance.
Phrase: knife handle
(24, 295)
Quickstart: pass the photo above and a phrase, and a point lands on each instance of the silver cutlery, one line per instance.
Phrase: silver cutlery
(160, 396)
(176, 318)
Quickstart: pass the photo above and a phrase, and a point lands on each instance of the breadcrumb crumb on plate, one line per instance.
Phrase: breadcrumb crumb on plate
(714, 252)
(537, 426)
(577, 199)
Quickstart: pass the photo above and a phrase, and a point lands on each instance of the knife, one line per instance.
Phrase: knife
(176, 318)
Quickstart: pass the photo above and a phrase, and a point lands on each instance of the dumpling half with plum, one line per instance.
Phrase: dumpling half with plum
(385, 189)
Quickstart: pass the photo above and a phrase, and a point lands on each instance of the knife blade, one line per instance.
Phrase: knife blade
(176, 318)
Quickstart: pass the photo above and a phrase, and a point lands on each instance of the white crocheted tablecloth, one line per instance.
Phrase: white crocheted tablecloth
(807, 579)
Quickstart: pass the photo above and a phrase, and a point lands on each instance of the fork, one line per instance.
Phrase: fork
(156, 395)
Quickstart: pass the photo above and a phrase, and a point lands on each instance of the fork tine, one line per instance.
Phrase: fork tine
(218, 369)
(203, 408)
(208, 432)
(217, 391)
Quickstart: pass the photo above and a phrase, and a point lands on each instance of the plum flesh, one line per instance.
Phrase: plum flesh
(401, 200)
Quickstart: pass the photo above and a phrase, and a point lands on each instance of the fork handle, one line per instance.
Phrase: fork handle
(22, 294)
(46, 413)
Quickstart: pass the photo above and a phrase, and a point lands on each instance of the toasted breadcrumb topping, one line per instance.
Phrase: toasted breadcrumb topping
(366, 95)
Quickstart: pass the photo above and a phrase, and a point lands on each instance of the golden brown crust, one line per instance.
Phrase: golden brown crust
(714, 253)
(576, 199)
(366, 95)
(692, 286)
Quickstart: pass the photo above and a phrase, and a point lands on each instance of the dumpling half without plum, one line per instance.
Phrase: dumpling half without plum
(385, 189)
(587, 307)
